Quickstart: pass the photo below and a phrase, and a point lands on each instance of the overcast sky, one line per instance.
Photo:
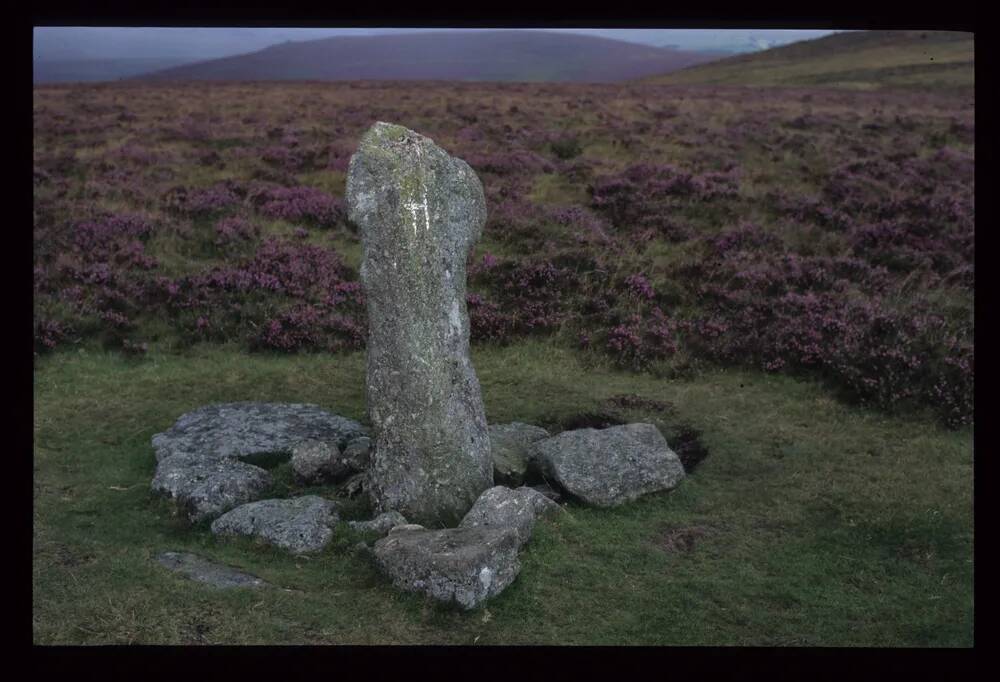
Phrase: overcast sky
(73, 43)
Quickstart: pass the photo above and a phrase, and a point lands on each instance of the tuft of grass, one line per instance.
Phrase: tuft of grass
(552, 188)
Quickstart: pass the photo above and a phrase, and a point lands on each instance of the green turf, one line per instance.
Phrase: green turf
(814, 523)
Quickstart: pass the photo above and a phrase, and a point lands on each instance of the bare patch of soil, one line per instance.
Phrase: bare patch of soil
(686, 442)
(681, 539)
(590, 420)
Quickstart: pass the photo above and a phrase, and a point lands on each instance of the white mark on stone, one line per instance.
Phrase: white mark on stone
(413, 208)
(427, 217)
(454, 316)
(486, 577)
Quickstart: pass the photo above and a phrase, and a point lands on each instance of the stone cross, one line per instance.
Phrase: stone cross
(419, 212)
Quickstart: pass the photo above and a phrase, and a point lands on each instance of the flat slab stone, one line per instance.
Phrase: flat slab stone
(517, 509)
(205, 489)
(607, 467)
(509, 447)
(198, 458)
(235, 430)
(464, 566)
(300, 525)
(205, 571)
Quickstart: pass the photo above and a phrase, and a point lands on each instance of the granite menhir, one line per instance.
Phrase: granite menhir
(419, 212)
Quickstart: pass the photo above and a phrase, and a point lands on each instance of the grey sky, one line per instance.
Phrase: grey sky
(75, 43)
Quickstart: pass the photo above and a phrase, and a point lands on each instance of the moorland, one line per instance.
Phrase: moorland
(784, 276)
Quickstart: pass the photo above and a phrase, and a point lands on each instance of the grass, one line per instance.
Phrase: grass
(814, 523)
(552, 188)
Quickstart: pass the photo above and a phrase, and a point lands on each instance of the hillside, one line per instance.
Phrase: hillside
(92, 70)
(855, 59)
(529, 56)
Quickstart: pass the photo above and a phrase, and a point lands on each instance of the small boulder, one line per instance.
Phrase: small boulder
(501, 507)
(317, 461)
(419, 211)
(357, 454)
(464, 566)
(509, 445)
(607, 467)
(299, 525)
(381, 524)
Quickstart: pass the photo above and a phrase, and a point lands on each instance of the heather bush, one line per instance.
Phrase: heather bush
(96, 238)
(300, 204)
(289, 158)
(136, 154)
(278, 266)
(744, 237)
(249, 300)
(799, 315)
(234, 232)
(645, 189)
(486, 321)
(809, 209)
(510, 163)
(525, 298)
(586, 227)
(48, 334)
(291, 331)
(516, 222)
(203, 203)
(642, 339)
(639, 287)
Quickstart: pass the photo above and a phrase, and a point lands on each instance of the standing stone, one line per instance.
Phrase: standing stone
(419, 212)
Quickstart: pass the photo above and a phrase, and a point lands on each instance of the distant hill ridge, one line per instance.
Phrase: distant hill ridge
(855, 59)
(93, 70)
(527, 56)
